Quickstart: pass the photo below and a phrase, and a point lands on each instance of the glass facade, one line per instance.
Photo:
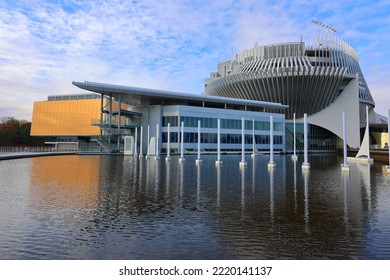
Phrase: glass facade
(172, 120)
(231, 132)
(211, 138)
(320, 139)
(225, 123)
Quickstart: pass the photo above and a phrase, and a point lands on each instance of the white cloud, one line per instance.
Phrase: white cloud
(172, 45)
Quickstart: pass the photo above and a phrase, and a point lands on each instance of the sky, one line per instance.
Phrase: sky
(167, 44)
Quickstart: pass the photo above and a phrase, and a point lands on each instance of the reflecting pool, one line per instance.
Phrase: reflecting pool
(120, 207)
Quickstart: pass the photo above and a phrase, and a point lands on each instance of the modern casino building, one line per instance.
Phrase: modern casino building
(322, 79)
(285, 81)
(155, 122)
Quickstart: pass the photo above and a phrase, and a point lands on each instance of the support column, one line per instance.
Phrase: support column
(305, 164)
(294, 156)
(271, 163)
(182, 159)
(368, 134)
(140, 143)
(147, 144)
(101, 120)
(253, 139)
(157, 142)
(110, 124)
(119, 123)
(243, 162)
(345, 166)
(168, 143)
(218, 161)
(198, 160)
(136, 142)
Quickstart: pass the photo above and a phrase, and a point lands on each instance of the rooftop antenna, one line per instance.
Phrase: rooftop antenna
(323, 25)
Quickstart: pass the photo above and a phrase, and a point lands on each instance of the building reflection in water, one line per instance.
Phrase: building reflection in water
(366, 174)
(181, 169)
(242, 171)
(168, 177)
(65, 181)
(218, 168)
(148, 173)
(140, 175)
(157, 179)
(131, 204)
(306, 194)
(271, 195)
(345, 177)
(253, 175)
(198, 183)
(295, 185)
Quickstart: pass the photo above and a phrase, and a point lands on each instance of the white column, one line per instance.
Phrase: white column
(345, 166)
(242, 162)
(148, 142)
(271, 163)
(218, 161)
(294, 156)
(140, 143)
(168, 143)
(253, 139)
(157, 142)
(368, 134)
(305, 164)
(181, 159)
(198, 160)
(136, 142)
(388, 140)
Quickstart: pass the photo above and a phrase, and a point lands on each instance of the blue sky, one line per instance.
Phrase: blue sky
(172, 45)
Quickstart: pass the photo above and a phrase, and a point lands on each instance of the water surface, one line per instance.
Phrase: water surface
(119, 207)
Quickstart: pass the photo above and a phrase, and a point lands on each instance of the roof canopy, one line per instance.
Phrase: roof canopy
(163, 96)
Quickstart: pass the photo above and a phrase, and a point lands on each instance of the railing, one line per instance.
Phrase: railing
(4, 150)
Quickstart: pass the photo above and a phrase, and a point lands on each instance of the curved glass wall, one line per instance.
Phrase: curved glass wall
(320, 139)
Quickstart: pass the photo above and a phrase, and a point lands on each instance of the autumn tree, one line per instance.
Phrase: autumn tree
(15, 132)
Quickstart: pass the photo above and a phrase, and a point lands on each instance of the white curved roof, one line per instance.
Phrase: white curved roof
(155, 94)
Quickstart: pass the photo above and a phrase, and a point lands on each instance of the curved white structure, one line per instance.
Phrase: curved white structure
(307, 78)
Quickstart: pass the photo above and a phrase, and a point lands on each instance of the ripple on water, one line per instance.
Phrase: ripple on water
(108, 208)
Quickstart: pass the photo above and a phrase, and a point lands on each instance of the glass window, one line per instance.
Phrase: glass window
(278, 126)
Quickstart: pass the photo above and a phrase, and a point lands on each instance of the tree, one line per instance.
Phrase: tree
(15, 132)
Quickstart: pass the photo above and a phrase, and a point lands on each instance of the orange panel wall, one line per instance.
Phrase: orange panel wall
(65, 118)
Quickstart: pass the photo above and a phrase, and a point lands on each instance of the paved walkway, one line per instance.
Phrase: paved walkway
(6, 156)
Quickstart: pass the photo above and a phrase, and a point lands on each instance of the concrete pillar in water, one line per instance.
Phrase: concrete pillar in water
(140, 143)
(136, 142)
(168, 143)
(345, 166)
(148, 142)
(182, 159)
(157, 142)
(243, 162)
(294, 156)
(253, 139)
(218, 161)
(305, 164)
(271, 163)
(198, 160)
